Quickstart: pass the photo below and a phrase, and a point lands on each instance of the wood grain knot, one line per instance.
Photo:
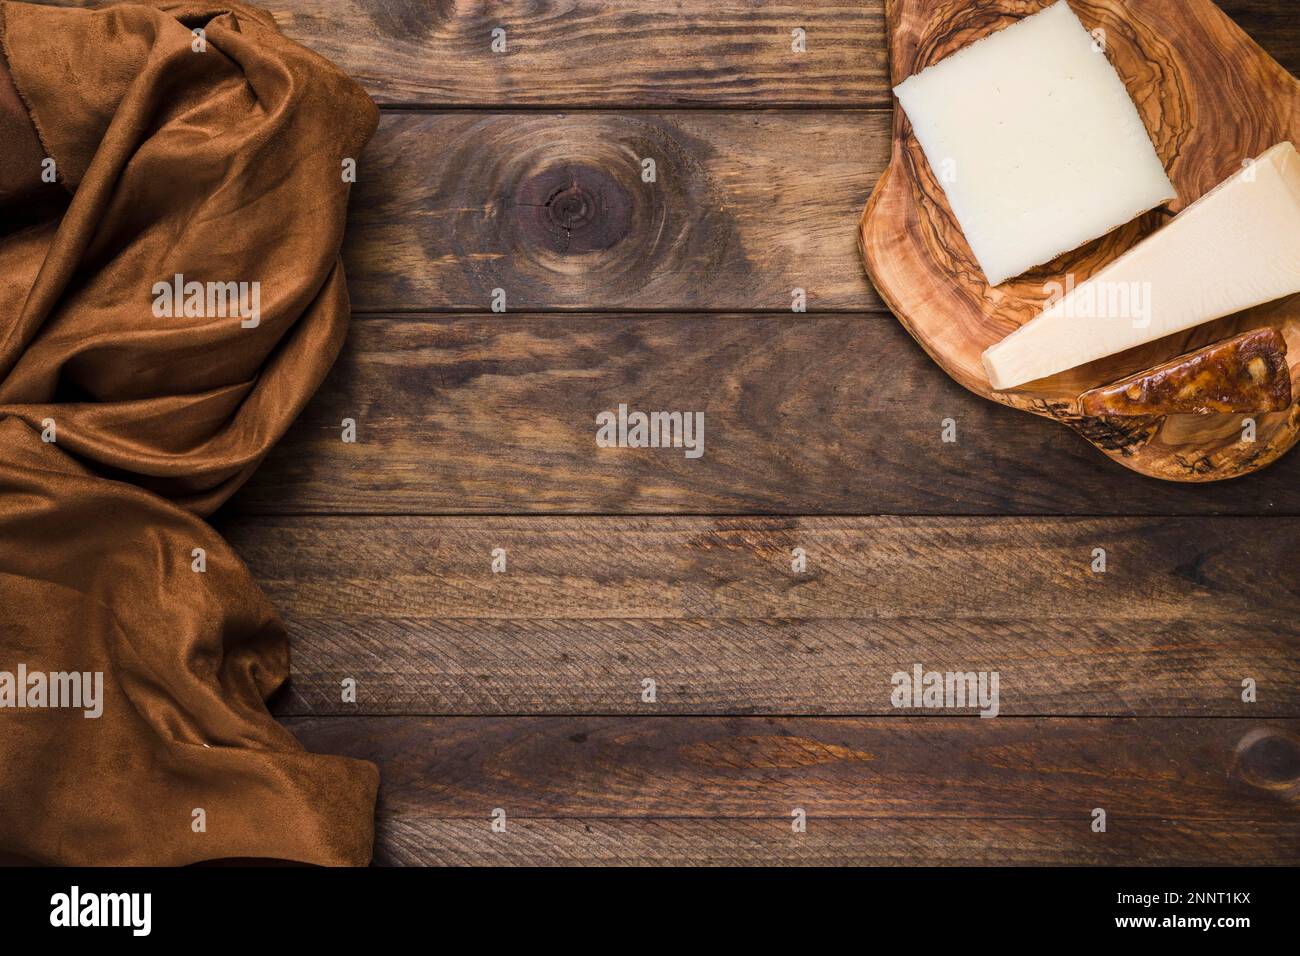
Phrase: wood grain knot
(574, 209)
(1270, 759)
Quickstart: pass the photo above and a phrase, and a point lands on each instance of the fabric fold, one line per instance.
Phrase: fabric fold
(172, 203)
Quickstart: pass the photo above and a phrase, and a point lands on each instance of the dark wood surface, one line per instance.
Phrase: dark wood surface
(746, 207)
(712, 610)
(637, 53)
(522, 690)
(936, 791)
(804, 414)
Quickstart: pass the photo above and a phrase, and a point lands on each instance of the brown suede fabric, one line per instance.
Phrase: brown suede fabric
(120, 428)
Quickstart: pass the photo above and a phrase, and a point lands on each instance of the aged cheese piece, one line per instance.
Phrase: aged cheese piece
(1035, 141)
(1246, 373)
(1237, 246)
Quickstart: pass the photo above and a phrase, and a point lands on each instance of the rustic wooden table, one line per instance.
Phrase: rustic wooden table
(524, 170)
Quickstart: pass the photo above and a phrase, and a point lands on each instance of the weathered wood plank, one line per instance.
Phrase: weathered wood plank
(418, 839)
(583, 52)
(1238, 571)
(803, 415)
(924, 790)
(635, 53)
(714, 611)
(552, 209)
(401, 666)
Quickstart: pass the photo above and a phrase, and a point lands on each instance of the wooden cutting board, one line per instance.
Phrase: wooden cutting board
(1211, 99)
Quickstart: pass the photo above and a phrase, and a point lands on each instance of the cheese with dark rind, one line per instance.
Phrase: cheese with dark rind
(1246, 373)
(1236, 247)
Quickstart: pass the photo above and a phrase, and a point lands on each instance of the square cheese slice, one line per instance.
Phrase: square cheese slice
(1035, 141)
(1236, 247)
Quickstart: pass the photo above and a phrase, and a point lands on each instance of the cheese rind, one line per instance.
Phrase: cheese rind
(1242, 374)
(1035, 140)
(1236, 247)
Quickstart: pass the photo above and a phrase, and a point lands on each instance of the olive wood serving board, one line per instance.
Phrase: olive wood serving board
(1211, 99)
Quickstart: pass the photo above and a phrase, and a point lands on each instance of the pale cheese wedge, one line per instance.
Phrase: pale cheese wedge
(1035, 141)
(1236, 247)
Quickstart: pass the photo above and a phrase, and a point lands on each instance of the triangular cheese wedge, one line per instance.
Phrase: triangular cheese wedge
(1236, 247)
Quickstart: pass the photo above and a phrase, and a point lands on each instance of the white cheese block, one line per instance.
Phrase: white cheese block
(1237, 246)
(1035, 141)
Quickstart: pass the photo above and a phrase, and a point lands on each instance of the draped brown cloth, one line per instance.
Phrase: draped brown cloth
(120, 430)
